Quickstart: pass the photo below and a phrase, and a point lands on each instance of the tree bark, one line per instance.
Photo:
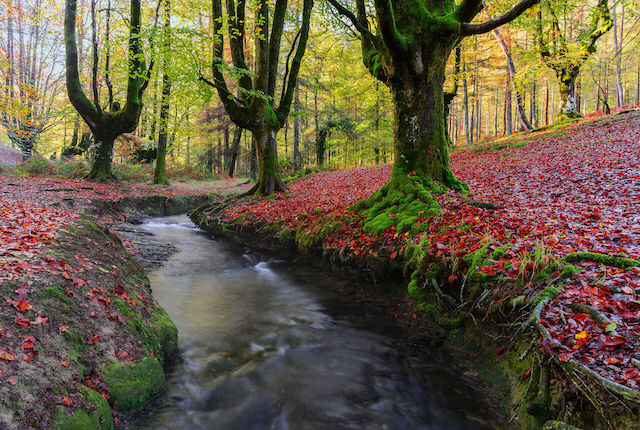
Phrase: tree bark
(567, 86)
(467, 131)
(237, 135)
(296, 131)
(508, 115)
(160, 174)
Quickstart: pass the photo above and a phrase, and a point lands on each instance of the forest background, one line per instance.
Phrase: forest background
(337, 102)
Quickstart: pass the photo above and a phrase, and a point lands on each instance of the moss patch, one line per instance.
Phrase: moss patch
(95, 415)
(132, 385)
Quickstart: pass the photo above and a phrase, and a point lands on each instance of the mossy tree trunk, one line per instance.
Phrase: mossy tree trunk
(105, 126)
(408, 53)
(567, 85)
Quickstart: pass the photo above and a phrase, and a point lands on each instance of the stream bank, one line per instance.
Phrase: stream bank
(498, 333)
(83, 343)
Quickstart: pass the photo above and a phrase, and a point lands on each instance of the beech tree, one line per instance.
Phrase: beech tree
(254, 107)
(105, 125)
(408, 51)
(29, 66)
(563, 55)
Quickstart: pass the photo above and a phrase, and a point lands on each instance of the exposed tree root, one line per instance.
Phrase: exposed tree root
(607, 260)
(611, 386)
(558, 425)
(598, 316)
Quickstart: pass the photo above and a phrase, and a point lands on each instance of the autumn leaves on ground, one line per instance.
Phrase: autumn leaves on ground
(538, 205)
(79, 330)
(510, 252)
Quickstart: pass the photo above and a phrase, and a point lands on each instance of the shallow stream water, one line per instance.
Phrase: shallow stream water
(266, 344)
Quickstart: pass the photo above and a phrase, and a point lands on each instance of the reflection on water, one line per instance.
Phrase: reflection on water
(264, 345)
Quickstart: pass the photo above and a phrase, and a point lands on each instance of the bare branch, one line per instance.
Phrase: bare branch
(467, 29)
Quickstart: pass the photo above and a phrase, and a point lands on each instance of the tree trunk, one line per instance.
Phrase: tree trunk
(546, 104)
(467, 136)
(160, 174)
(508, 115)
(567, 85)
(321, 146)
(253, 162)
(617, 43)
(101, 168)
(237, 135)
(296, 131)
(269, 179)
(533, 109)
(420, 136)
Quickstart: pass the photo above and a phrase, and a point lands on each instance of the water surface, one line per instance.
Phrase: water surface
(266, 344)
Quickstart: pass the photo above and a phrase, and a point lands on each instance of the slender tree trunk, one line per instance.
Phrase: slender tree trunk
(296, 131)
(253, 162)
(638, 85)
(508, 115)
(579, 96)
(533, 108)
(237, 135)
(546, 105)
(511, 69)
(160, 174)
(617, 43)
(465, 89)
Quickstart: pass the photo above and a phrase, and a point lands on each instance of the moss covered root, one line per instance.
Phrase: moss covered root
(399, 203)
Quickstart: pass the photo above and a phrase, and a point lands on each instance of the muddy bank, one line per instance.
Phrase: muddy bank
(501, 336)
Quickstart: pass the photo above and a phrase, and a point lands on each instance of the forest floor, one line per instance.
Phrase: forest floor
(9, 156)
(73, 301)
(538, 202)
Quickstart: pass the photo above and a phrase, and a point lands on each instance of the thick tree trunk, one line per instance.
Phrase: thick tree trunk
(420, 137)
(321, 146)
(269, 179)
(101, 167)
(567, 85)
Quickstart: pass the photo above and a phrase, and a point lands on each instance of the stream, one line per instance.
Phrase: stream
(269, 344)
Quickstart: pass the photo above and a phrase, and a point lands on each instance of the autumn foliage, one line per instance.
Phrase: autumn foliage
(550, 194)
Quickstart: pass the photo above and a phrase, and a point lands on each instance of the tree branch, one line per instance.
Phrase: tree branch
(467, 29)
(362, 28)
(236, 40)
(388, 30)
(285, 103)
(76, 95)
